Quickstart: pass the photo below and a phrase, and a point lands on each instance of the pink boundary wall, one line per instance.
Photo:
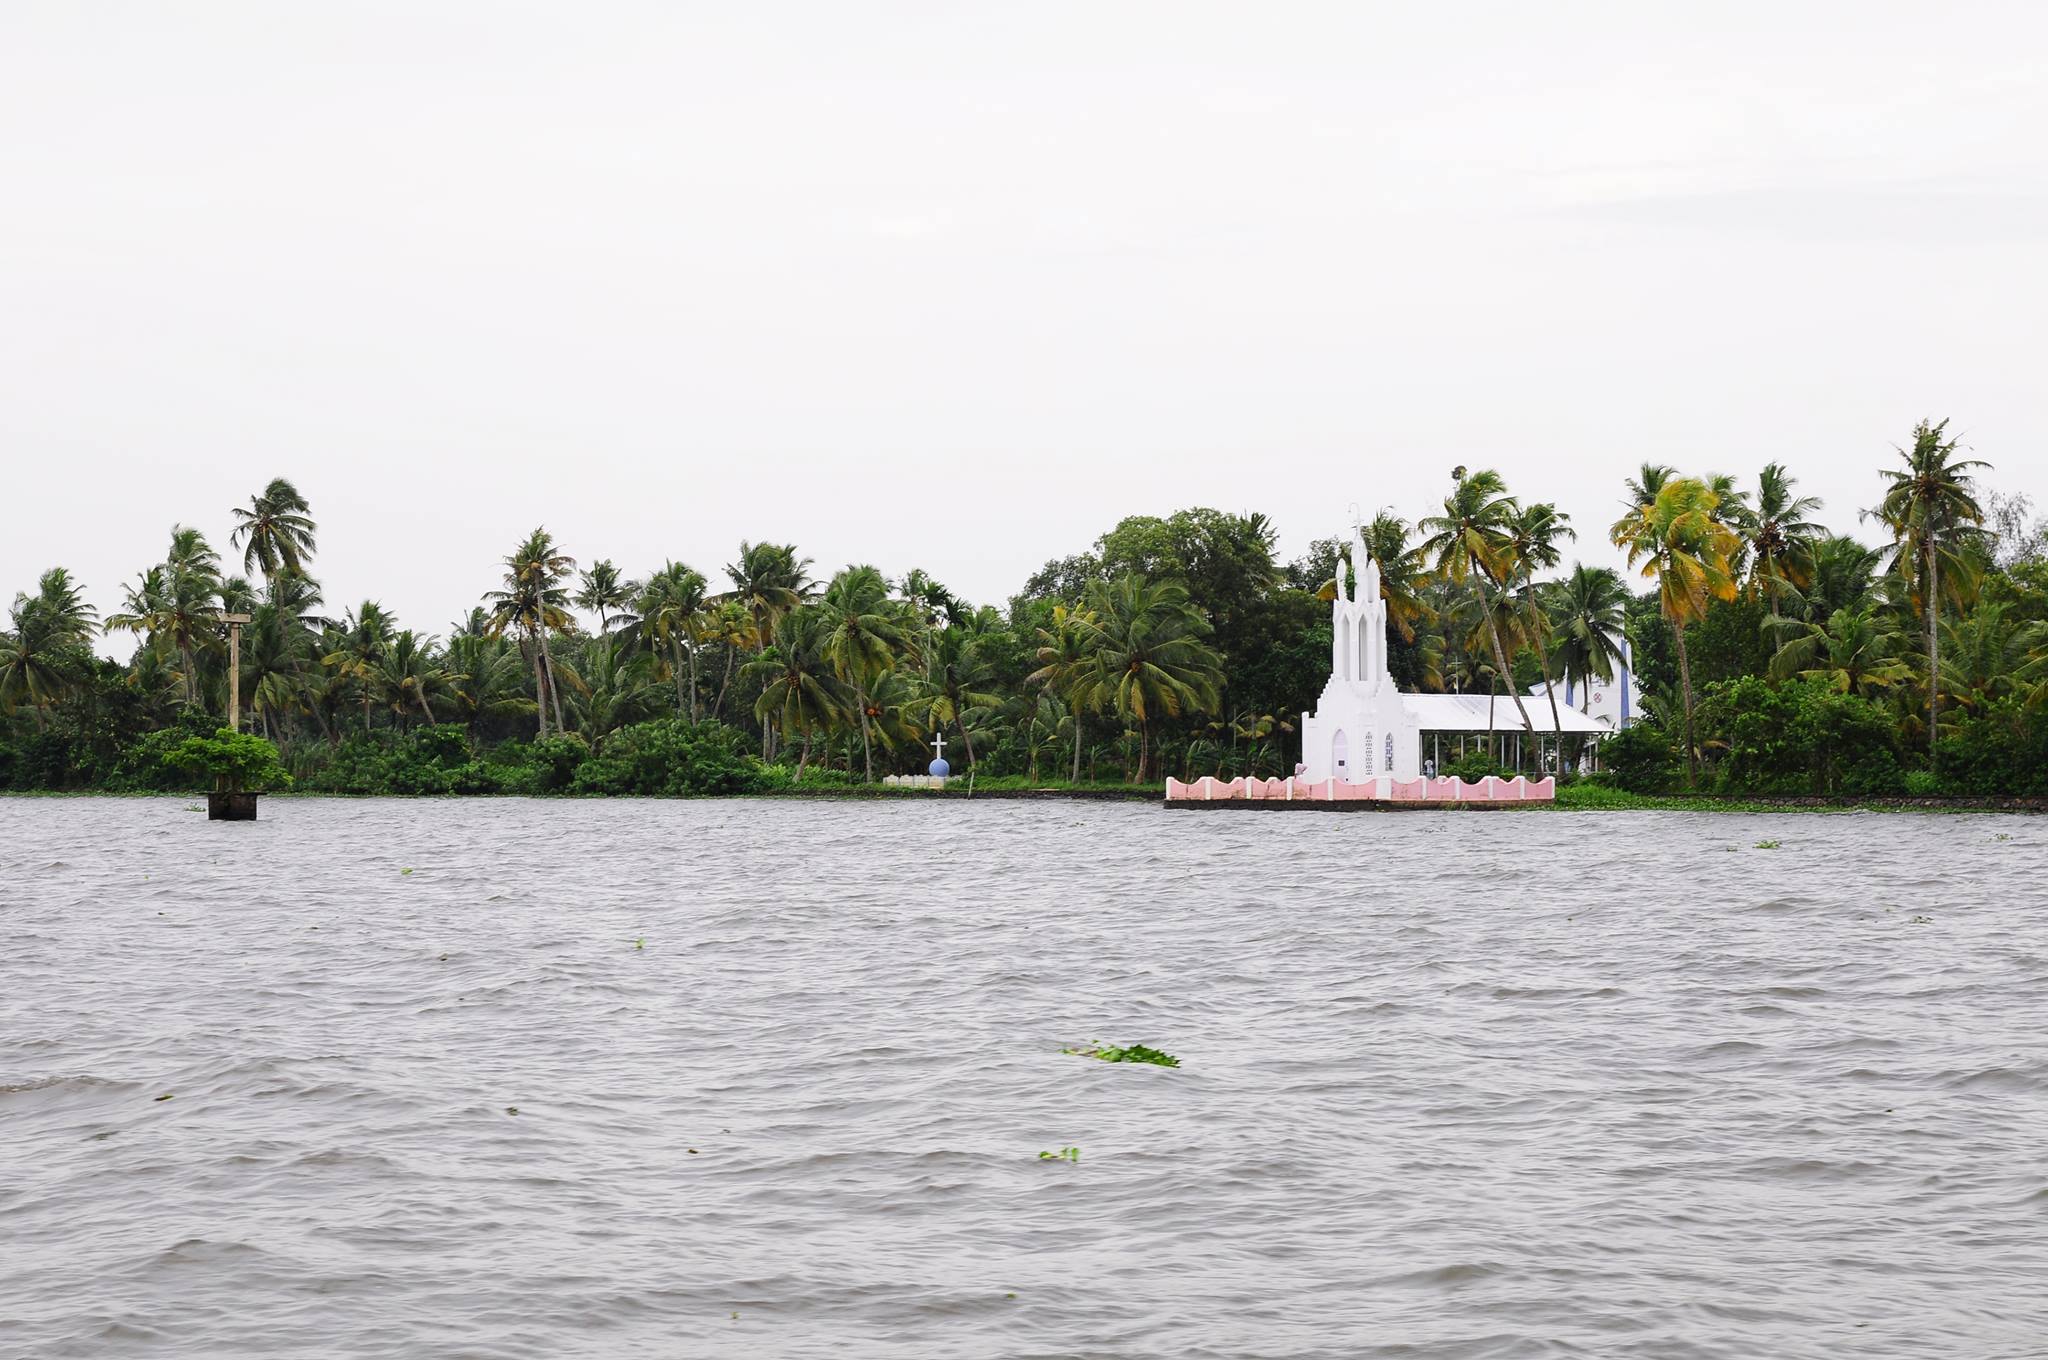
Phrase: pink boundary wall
(1379, 789)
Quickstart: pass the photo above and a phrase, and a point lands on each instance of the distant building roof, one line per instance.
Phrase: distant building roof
(1468, 713)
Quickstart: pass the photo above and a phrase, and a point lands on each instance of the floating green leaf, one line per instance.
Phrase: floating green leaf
(1137, 1053)
(1065, 1154)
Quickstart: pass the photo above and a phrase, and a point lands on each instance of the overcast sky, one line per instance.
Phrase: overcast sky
(958, 286)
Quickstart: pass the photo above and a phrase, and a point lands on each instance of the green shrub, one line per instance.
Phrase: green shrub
(235, 760)
(1798, 738)
(1640, 759)
(1473, 767)
(674, 757)
(2002, 751)
(1921, 783)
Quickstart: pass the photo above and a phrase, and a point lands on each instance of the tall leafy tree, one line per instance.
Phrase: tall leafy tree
(358, 652)
(1679, 542)
(1930, 506)
(408, 676)
(958, 679)
(1588, 612)
(1149, 658)
(484, 676)
(674, 617)
(276, 532)
(864, 633)
(1066, 667)
(768, 581)
(533, 604)
(1470, 541)
(800, 693)
(1779, 536)
(605, 591)
(1855, 654)
(176, 606)
(47, 649)
(1533, 534)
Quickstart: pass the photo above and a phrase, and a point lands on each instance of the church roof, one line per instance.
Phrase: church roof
(1468, 713)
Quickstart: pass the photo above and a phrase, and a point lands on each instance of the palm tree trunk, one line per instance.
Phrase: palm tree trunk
(424, 709)
(540, 695)
(685, 700)
(1933, 652)
(1500, 654)
(1549, 686)
(1500, 660)
(1077, 745)
(960, 721)
(554, 690)
(718, 706)
(1685, 692)
(867, 751)
(804, 756)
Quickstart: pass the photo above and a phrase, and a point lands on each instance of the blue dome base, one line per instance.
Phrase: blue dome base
(940, 769)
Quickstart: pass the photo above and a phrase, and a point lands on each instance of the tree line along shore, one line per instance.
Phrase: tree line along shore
(1776, 658)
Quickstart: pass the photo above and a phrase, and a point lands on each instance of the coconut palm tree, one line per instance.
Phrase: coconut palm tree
(605, 592)
(47, 648)
(484, 675)
(799, 690)
(407, 677)
(619, 688)
(769, 580)
(1588, 611)
(1986, 655)
(1855, 654)
(730, 626)
(958, 678)
(1148, 657)
(1842, 574)
(1778, 535)
(276, 532)
(864, 635)
(1066, 667)
(357, 653)
(892, 704)
(535, 603)
(673, 616)
(1470, 541)
(177, 606)
(1931, 508)
(1640, 493)
(1680, 543)
(1533, 533)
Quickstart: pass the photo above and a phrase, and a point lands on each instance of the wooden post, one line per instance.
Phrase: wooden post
(234, 623)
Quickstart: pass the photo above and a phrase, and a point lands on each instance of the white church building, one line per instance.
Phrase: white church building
(1368, 742)
(1363, 726)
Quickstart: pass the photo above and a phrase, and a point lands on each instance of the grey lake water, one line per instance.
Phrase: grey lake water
(498, 1078)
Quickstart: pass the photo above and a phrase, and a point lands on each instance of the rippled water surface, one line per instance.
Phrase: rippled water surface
(496, 1078)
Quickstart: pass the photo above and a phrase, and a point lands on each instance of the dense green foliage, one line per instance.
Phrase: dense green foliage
(1775, 658)
(234, 760)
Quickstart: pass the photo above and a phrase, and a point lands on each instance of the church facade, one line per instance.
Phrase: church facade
(1362, 725)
